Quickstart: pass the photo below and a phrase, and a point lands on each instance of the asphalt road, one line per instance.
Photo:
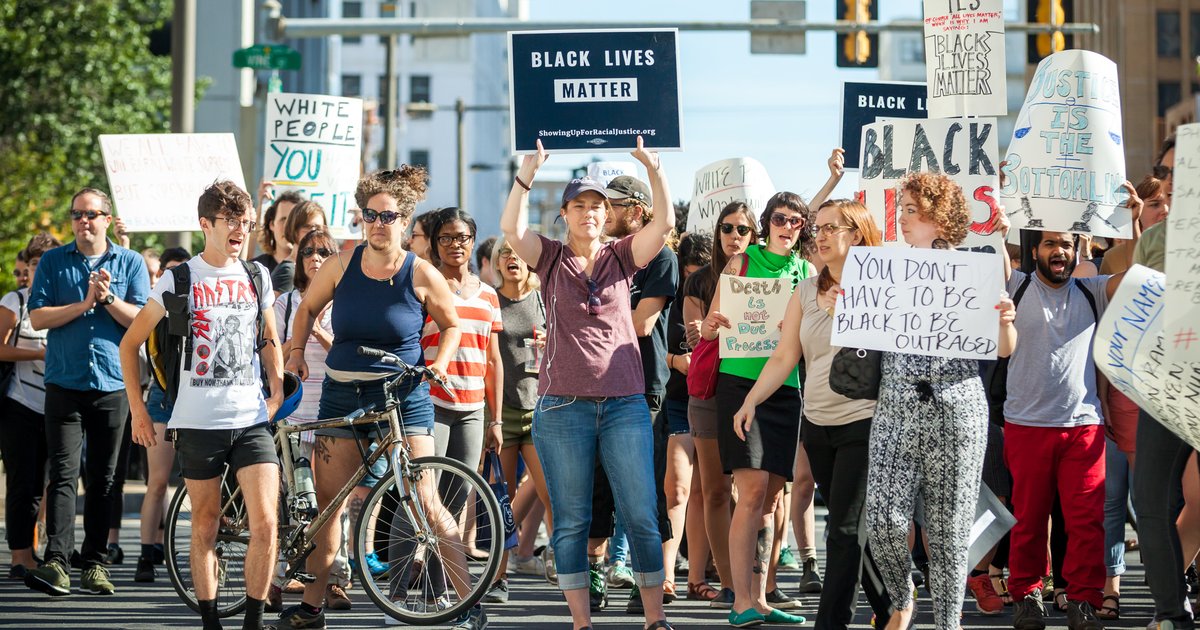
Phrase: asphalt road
(534, 604)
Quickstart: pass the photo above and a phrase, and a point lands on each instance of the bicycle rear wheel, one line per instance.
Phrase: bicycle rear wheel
(233, 540)
(421, 545)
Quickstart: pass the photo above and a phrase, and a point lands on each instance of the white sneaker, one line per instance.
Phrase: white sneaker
(532, 565)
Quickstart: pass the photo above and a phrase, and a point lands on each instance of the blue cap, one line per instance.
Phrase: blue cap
(579, 186)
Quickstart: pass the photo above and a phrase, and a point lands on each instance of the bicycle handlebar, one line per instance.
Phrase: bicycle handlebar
(392, 359)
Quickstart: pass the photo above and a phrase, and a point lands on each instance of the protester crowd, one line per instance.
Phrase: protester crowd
(590, 366)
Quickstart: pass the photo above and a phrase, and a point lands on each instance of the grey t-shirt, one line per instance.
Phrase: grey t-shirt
(521, 318)
(1051, 375)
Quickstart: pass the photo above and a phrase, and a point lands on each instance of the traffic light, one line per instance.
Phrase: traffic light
(857, 49)
(1057, 12)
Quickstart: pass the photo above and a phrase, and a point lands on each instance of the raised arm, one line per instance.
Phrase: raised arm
(837, 168)
(1134, 203)
(515, 220)
(653, 237)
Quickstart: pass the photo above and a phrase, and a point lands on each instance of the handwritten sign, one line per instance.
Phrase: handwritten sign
(1129, 350)
(605, 172)
(919, 301)
(314, 143)
(724, 182)
(1066, 161)
(754, 306)
(594, 90)
(156, 179)
(964, 58)
(963, 149)
(865, 103)
(1182, 326)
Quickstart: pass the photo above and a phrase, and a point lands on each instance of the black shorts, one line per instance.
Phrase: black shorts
(203, 453)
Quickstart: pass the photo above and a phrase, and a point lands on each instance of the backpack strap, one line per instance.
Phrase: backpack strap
(287, 317)
(182, 275)
(1021, 290)
(254, 272)
(1091, 299)
(16, 332)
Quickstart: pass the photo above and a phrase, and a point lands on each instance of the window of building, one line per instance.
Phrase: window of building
(1194, 28)
(352, 10)
(387, 9)
(912, 50)
(1169, 94)
(419, 157)
(420, 90)
(1169, 42)
(351, 85)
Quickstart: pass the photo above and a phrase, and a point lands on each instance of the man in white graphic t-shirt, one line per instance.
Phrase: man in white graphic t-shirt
(220, 417)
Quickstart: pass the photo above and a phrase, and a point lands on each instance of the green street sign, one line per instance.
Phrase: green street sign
(277, 57)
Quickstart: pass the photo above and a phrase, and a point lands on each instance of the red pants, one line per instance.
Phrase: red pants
(1068, 461)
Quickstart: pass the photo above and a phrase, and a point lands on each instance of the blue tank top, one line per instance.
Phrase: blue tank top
(367, 312)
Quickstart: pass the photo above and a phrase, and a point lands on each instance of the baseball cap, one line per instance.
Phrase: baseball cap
(579, 186)
(626, 187)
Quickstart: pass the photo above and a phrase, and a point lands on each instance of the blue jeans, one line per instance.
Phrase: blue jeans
(1117, 482)
(339, 399)
(569, 433)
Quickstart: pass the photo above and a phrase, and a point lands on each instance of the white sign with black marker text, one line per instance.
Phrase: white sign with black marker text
(964, 58)
(755, 307)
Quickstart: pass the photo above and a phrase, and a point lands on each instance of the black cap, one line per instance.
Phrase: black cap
(626, 187)
(579, 186)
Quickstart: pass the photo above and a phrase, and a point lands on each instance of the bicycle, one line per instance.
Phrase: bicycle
(421, 585)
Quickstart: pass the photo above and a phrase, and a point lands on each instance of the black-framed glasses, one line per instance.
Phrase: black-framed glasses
(387, 216)
(235, 223)
(829, 229)
(450, 239)
(309, 251)
(728, 228)
(593, 298)
(780, 220)
(90, 214)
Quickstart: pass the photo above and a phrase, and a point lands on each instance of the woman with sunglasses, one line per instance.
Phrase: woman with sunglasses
(760, 456)
(304, 218)
(592, 395)
(929, 434)
(835, 429)
(736, 230)
(380, 295)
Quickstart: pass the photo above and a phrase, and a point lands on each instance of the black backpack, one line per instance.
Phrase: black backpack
(170, 343)
(996, 380)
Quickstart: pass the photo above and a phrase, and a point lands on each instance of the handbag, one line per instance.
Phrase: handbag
(706, 359)
(494, 475)
(855, 373)
(9, 368)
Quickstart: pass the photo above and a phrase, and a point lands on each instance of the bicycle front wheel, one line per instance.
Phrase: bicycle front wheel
(431, 576)
(233, 540)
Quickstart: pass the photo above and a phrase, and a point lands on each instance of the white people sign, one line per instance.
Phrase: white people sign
(919, 301)
(156, 178)
(1066, 162)
(754, 306)
(724, 182)
(314, 143)
(964, 58)
(1182, 326)
(965, 150)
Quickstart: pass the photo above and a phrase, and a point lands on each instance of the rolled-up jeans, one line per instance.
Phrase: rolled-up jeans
(1117, 482)
(569, 433)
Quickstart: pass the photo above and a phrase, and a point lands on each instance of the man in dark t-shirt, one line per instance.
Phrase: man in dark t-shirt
(651, 294)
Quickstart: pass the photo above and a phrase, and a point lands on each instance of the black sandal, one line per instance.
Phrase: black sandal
(1110, 612)
(661, 624)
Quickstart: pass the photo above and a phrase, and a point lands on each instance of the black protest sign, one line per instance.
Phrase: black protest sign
(594, 90)
(864, 103)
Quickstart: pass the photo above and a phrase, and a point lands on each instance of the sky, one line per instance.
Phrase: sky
(783, 110)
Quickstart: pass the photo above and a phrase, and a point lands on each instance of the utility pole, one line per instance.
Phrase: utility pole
(460, 111)
(392, 115)
(183, 85)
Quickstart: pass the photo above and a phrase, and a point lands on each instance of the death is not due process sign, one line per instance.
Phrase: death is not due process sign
(594, 90)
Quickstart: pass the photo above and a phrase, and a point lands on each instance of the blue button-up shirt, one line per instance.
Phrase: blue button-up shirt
(83, 353)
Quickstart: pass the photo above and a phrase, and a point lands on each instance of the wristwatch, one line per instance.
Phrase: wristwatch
(108, 299)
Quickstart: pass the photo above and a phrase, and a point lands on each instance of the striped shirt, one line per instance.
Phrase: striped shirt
(478, 318)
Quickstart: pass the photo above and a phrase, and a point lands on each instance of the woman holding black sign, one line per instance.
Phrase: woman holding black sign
(592, 396)
(835, 429)
(930, 430)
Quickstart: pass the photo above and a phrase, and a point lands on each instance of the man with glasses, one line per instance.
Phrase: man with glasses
(86, 293)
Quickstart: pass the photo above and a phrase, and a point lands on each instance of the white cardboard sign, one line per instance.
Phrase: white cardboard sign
(754, 306)
(605, 172)
(964, 58)
(723, 182)
(1182, 326)
(919, 301)
(156, 178)
(1066, 161)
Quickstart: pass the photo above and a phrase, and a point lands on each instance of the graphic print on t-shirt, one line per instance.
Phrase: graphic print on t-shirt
(224, 311)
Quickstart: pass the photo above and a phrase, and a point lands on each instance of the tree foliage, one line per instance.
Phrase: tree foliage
(70, 71)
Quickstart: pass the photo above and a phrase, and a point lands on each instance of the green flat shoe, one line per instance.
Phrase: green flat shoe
(778, 616)
(746, 618)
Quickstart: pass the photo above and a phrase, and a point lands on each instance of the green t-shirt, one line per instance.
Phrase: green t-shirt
(1151, 249)
(764, 264)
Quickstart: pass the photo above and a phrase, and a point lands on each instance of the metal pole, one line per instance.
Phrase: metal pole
(460, 111)
(183, 85)
(392, 115)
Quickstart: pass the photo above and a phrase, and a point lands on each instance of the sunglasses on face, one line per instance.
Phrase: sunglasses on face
(593, 298)
(90, 214)
(781, 220)
(387, 216)
(309, 251)
(742, 230)
(448, 240)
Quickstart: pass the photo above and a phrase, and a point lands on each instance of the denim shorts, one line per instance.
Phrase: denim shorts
(157, 406)
(677, 417)
(343, 398)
